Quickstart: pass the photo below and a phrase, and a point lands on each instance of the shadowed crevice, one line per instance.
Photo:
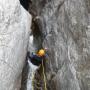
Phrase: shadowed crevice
(25, 3)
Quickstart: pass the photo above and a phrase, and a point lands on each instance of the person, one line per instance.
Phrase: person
(36, 58)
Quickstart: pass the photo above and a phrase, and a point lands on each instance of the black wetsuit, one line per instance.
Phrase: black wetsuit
(36, 60)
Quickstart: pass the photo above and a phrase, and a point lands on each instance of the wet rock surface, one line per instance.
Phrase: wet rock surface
(65, 26)
(14, 36)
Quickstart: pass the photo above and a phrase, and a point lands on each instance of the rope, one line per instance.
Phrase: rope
(33, 81)
(45, 86)
(44, 76)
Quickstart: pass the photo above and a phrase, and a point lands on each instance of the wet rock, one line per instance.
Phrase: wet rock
(15, 24)
(65, 27)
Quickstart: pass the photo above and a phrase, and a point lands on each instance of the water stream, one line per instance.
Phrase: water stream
(32, 68)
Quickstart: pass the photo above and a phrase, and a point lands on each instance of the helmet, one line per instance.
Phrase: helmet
(41, 52)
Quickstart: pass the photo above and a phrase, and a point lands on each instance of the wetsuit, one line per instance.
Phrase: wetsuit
(36, 60)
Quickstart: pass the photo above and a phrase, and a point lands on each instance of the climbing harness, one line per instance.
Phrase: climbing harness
(45, 86)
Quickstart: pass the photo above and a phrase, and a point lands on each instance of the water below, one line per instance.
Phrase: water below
(32, 69)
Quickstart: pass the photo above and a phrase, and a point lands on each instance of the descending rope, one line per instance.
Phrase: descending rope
(44, 76)
(33, 77)
(33, 81)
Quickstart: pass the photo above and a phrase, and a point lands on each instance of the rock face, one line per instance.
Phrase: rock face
(65, 26)
(14, 35)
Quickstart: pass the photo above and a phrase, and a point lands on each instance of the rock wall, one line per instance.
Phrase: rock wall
(65, 26)
(15, 24)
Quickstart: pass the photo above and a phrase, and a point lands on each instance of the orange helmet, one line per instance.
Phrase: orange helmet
(41, 52)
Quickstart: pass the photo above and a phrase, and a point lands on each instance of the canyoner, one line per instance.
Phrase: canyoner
(38, 59)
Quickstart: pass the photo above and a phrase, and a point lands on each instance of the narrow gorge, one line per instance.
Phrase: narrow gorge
(63, 26)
